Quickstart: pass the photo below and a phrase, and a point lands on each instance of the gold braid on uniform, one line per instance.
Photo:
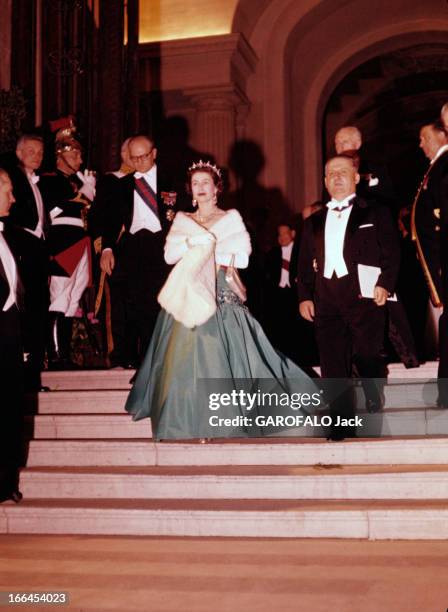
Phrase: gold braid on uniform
(433, 293)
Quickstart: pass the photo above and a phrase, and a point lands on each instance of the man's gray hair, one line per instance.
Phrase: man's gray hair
(28, 138)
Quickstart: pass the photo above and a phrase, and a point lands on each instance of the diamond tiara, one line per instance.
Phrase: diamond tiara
(200, 165)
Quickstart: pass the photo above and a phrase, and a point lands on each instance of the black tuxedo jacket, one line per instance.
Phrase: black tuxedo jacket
(375, 244)
(106, 186)
(430, 226)
(274, 266)
(121, 210)
(14, 237)
(24, 210)
(381, 193)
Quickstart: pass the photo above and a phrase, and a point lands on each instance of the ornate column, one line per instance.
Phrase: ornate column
(215, 126)
(132, 121)
(110, 90)
(204, 79)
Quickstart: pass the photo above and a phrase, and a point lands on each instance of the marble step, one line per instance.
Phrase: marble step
(75, 380)
(98, 401)
(309, 451)
(366, 519)
(119, 379)
(403, 394)
(391, 422)
(258, 482)
(87, 426)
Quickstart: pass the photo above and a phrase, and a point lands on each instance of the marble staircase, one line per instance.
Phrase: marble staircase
(91, 470)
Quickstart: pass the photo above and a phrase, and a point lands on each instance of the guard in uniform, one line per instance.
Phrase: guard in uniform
(429, 228)
(67, 194)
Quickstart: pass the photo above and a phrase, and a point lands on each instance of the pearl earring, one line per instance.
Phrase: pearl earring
(195, 203)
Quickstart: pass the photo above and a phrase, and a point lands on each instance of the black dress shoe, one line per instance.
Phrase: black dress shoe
(37, 389)
(337, 434)
(335, 437)
(126, 365)
(15, 496)
(373, 406)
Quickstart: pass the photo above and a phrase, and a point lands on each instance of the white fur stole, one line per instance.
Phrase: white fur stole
(189, 293)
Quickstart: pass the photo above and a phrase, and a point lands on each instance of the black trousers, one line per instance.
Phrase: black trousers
(443, 353)
(34, 317)
(349, 329)
(287, 330)
(138, 276)
(12, 400)
(349, 332)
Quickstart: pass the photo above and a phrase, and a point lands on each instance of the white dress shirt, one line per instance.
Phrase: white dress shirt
(335, 228)
(144, 218)
(286, 255)
(440, 152)
(38, 231)
(9, 264)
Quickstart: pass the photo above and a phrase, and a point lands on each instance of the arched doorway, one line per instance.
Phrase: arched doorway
(304, 51)
(389, 98)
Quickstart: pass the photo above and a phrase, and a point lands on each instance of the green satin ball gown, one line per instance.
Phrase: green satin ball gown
(172, 382)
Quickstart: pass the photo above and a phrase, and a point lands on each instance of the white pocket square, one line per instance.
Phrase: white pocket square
(366, 225)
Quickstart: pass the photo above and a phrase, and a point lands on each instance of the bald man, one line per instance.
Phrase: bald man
(374, 184)
(339, 242)
(134, 235)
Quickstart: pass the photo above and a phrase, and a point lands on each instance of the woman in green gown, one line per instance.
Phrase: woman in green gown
(206, 341)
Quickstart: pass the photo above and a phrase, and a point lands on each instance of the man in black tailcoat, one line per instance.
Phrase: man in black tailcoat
(283, 323)
(375, 187)
(28, 212)
(106, 187)
(430, 232)
(346, 234)
(374, 181)
(132, 250)
(11, 353)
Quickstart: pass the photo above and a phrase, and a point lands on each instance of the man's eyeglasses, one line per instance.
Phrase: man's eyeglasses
(141, 158)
